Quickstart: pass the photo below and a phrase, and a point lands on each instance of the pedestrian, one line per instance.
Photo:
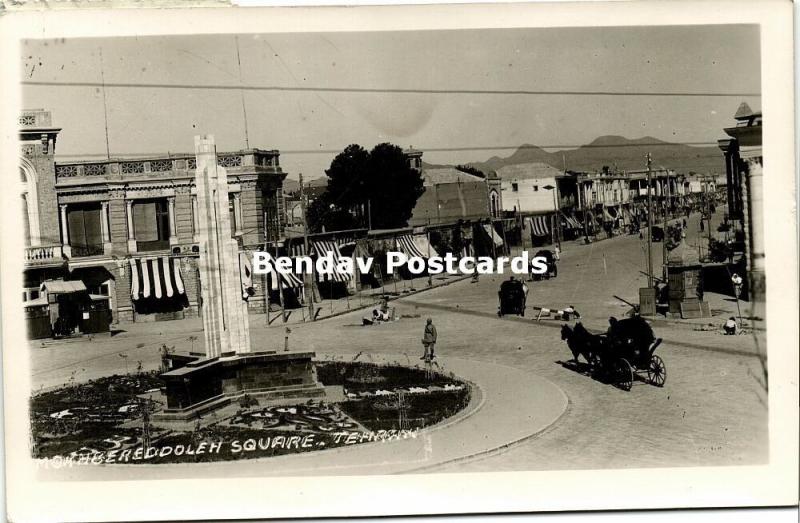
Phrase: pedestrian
(702, 225)
(557, 254)
(737, 284)
(429, 340)
(730, 326)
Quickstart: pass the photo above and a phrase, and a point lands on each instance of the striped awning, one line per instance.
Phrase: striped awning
(496, 238)
(571, 222)
(323, 248)
(288, 281)
(416, 245)
(539, 226)
(155, 278)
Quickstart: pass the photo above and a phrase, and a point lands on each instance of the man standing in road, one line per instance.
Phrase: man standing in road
(429, 340)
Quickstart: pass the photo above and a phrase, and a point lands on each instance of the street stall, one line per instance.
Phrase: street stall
(37, 319)
(66, 301)
(685, 283)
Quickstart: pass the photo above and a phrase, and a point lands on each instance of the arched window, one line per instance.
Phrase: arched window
(30, 202)
(494, 201)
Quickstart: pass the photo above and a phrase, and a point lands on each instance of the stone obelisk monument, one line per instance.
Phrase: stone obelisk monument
(195, 386)
(225, 323)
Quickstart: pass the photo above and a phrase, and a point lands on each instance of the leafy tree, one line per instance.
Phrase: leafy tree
(392, 187)
(379, 181)
(321, 214)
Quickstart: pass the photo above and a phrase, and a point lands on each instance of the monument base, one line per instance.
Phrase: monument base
(204, 385)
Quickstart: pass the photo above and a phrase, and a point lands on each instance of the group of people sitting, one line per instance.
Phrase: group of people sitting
(379, 314)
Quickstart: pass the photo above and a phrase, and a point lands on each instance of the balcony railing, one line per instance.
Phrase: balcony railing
(134, 167)
(45, 253)
(79, 251)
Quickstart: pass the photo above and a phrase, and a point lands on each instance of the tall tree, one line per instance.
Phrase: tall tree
(392, 186)
(379, 181)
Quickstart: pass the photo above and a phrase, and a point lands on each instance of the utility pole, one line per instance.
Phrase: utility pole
(649, 223)
(105, 106)
(428, 236)
(664, 241)
(309, 280)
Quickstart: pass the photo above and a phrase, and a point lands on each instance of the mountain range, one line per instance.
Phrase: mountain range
(616, 152)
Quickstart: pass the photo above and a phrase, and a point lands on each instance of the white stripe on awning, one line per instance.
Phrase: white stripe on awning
(134, 280)
(156, 277)
(167, 277)
(176, 273)
(145, 278)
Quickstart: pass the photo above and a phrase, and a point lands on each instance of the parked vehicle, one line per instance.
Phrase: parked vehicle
(552, 268)
(512, 297)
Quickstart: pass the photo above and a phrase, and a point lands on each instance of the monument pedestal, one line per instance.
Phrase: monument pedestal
(208, 384)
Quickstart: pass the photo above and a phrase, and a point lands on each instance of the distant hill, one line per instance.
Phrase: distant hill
(617, 151)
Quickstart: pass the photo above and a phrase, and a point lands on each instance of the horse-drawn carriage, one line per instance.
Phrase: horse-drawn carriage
(625, 352)
(512, 296)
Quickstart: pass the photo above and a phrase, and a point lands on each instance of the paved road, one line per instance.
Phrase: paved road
(712, 410)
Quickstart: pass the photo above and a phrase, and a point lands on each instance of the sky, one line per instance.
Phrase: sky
(309, 126)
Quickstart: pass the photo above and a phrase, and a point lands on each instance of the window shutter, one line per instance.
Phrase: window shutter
(144, 222)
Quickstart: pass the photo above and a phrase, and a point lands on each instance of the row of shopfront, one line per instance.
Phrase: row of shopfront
(73, 300)
(67, 300)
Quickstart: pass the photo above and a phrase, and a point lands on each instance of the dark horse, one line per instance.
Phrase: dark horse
(582, 343)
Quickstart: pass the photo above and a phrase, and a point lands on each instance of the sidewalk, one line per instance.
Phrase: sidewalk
(364, 299)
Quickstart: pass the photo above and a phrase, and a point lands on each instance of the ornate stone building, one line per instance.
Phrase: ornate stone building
(126, 228)
(744, 163)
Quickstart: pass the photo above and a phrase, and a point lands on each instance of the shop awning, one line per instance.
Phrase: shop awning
(155, 278)
(539, 225)
(416, 245)
(571, 222)
(498, 241)
(288, 281)
(325, 248)
(63, 287)
(38, 302)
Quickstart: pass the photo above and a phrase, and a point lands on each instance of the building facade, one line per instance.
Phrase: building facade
(127, 228)
(744, 162)
(452, 195)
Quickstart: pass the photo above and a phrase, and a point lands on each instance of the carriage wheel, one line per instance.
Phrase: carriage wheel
(623, 374)
(657, 371)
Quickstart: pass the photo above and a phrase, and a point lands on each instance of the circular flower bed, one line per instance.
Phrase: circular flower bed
(109, 420)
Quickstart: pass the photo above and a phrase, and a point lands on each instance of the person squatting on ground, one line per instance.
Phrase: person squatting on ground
(570, 313)
(429, 340)
(730, 326)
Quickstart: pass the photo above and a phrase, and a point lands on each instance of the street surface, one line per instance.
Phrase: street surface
(712, 410)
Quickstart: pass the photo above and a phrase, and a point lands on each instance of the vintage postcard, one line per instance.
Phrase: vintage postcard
(398, 260)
